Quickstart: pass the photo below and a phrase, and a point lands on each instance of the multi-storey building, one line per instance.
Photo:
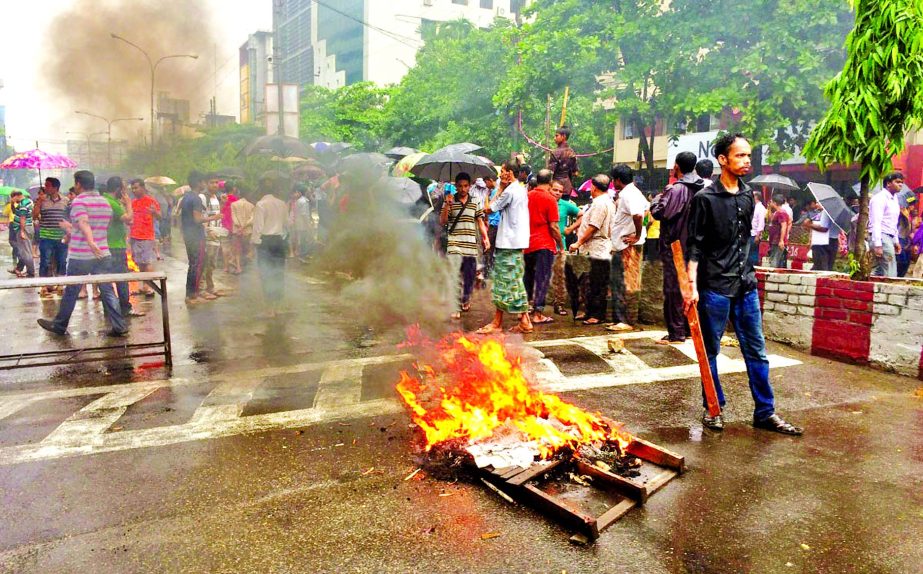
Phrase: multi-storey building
(334, 43)
(255, 73)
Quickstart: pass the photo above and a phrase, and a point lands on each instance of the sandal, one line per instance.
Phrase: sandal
(466, 307)
(775, 423)
(542, 321)
(521, 330)
(208, 296)
(560, 311)
(488, 330)
(579, 317)
(592, 321)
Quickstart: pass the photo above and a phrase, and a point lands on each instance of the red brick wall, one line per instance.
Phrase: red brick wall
(843, 319)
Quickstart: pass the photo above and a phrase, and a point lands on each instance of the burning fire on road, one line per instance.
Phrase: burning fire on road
(477, 410)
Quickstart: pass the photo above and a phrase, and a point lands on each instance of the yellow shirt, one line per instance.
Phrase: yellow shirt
(653, 232)
(8, 211)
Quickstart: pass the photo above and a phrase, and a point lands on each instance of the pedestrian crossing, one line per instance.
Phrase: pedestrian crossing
(342, 389)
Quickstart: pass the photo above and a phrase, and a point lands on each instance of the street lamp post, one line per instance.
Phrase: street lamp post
(109, 131)
(153, 65)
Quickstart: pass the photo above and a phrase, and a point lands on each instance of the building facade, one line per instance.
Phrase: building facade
(255, 73)
(334, 43)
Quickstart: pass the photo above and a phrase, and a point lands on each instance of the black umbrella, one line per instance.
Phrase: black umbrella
(776, 181)
(397, 153)
(833, 204)
(282, 146)
(464, 147)
(445, 165)
(359, 161)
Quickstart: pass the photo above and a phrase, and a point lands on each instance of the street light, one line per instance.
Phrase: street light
(153, 66)
(109, 131)
(89, 149)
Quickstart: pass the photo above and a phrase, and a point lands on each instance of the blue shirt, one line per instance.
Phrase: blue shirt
(494, 218)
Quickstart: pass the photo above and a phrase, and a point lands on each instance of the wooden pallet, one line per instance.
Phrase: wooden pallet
(660, 466)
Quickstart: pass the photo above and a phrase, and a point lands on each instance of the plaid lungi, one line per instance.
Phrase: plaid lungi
(509, 291)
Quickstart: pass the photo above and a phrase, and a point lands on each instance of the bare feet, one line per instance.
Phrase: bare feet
(488, 329)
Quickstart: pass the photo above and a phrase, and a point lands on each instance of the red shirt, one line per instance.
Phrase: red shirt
(543, 213)
(142, 220)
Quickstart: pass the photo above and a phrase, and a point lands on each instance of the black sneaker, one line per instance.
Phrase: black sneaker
(714, 423)
(114, 333)
(775, 423)
(50, 326)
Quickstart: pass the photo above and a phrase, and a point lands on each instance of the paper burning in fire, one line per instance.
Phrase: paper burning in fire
(472, 393)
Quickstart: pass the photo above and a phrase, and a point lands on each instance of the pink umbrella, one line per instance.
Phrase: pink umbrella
(588, 184)
(38, 159)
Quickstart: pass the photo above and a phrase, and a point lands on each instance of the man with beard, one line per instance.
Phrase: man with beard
(723, 282)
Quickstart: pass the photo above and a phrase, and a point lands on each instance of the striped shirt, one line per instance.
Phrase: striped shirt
(51, 214)
(20, 212)
(463, 240)
(92, 207)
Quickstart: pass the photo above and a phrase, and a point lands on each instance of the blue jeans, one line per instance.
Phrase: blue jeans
(119, 264)
(110, 301)
(744, 313)
(52, 250)
(886, 265)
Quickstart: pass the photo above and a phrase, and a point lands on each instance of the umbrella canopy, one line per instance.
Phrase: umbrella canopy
(291, 159)
(363, 160)
(776, 181)
(6, 191)
(282, 146)
(38, 159)
(397, 153)
(833, 204)
(445, 165)
(159, 180)
(464, 147)
(309, 172)
(588, 184)
(402, 167)
(405, 190)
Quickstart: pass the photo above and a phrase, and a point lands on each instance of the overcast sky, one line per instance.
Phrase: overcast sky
(31, 112)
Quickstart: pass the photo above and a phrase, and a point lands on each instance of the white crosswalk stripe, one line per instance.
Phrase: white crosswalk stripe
(338, 398)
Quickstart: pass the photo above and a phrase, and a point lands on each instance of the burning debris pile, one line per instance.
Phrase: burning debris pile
(472, 395)
(479, 414)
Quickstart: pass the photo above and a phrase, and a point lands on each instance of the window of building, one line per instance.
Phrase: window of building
(462, 2)
(487, 4)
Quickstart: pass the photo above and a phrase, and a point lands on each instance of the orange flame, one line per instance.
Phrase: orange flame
(132, 266)
(476, 386)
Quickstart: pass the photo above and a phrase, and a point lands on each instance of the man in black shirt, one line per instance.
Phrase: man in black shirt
(725, 287)
(192, 220)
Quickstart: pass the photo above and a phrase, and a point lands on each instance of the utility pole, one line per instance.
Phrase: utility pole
(277, 60)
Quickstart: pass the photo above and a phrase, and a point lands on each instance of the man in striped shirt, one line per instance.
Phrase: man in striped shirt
(88, 254)
(51, 210)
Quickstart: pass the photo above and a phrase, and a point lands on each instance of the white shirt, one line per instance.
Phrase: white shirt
(513, 204)
(270, 217)
(599, 214)
(631, 203)
(759, 220)
(884, 212)
(788, 209)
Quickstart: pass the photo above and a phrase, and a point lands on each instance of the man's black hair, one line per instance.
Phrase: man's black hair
(462, 176)
(893, 176)
(723, 143)
(705, 168)
(195, 178)
(138, 181)
(563, 131)
(524, 168)
(114, 183)
(686, 161)
(623, 173)
(15, 192)
(778, 199)
(55, 182)
(543, 177)
(102, 187)
(511, 165)
(86, 179)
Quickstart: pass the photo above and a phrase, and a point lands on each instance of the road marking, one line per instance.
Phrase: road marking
(338, 398)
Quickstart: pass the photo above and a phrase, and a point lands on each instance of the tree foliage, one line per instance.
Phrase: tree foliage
(876, 99)
(354, 114)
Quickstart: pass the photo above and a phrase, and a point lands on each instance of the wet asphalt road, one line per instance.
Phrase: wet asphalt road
(280, 448)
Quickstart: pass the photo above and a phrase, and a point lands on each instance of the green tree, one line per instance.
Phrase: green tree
(768, 69)
(875, 100)
(447, 97)
(353, 114)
